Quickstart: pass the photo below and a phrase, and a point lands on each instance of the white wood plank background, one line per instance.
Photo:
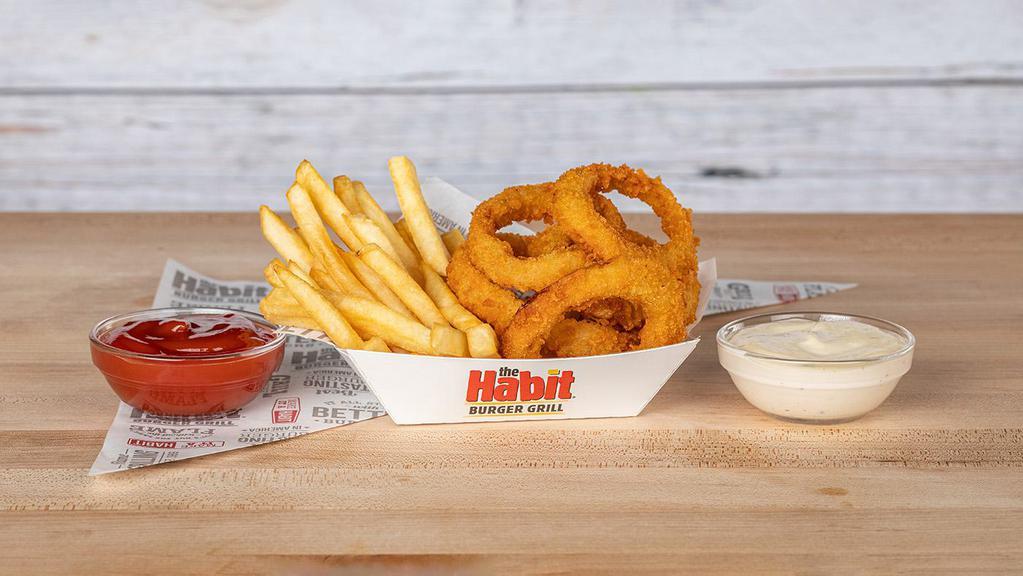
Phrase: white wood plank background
(470, 43)
(798, 105)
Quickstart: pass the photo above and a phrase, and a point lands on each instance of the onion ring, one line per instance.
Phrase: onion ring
(570, 338)
(615, 312)
(574, 213)
(497, 306)
(496, 259)
(609, 312)
(552, 238)
(529, 245)
(644, 280)
(534, 262)
(519, 243)
(493, 304)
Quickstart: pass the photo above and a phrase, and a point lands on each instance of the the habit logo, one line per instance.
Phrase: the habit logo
(187, 283)
(519, 392)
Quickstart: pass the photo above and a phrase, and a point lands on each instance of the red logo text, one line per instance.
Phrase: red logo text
(512, 385)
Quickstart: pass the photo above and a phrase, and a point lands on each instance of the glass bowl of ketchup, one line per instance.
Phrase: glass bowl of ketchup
(187, 361)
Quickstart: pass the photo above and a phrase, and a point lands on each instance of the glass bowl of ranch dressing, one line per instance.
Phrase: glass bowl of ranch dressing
(815, 367)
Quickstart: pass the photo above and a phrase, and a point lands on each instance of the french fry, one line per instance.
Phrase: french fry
(323, 279)
(298, 271)
(480, 336)
(285, 241)
(453, 239)
(296, 321)
(459, 317)
(482, 341)
(345, 190)
(311, 228)
(402, 227)
(281, 308)
(375, 284)
(378, 320)
(403, 285)
(270, 275)
(446, 301)
(448, 341)
(374, 212)
(280, 295)
(377, 344)
(331, 209)
(387, 293)
(413, 206)
(369, 233)
(319, 308)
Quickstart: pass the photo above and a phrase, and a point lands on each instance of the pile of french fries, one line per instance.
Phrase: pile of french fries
(383, 287)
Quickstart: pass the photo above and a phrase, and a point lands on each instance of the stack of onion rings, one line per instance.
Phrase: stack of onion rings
(644, 280)
(533, 268)
(586, 284)
(573, 209)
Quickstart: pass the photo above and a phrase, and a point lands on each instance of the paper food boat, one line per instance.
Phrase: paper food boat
(418, 389)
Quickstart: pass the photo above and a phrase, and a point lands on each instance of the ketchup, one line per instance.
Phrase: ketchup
(196, 335)
(186, 361)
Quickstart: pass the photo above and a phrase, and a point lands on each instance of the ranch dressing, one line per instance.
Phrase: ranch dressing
(805, 339)
(815, 367)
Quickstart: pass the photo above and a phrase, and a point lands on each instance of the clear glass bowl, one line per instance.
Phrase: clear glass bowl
(191, 385)
(814, 391)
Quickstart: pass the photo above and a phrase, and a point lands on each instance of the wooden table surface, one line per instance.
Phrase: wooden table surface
(701, 482)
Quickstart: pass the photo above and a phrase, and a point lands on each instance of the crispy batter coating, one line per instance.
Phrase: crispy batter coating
(571, 338)
(644, 280)
(492, 303)
(496, 259)
(614, 312)
(574, 213)
(586, 284)
(553, 238)
(526, 263)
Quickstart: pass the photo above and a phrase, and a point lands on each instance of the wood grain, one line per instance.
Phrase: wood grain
(276, 45)
(700, 483)
(874, 149)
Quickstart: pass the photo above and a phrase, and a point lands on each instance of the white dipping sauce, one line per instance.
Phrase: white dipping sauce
(804, 339)
(814, 367)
